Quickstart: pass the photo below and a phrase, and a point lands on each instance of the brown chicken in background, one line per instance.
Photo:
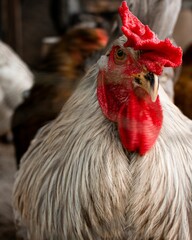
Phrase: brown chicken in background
(68, 56)
(55, 80)
(183, 87)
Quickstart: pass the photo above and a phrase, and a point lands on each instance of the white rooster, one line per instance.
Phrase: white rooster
(15, 78)
(117, 162)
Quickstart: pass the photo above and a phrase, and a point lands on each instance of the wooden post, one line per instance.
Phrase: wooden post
(14, 31)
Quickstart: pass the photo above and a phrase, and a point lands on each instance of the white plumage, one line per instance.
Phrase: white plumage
(15, 78)
(77, 182)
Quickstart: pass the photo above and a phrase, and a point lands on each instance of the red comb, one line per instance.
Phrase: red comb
(155, 53)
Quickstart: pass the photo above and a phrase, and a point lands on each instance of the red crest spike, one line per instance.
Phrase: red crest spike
(155, 53)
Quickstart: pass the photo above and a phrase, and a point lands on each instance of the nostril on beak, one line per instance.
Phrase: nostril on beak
(150, 77)
(138, 80)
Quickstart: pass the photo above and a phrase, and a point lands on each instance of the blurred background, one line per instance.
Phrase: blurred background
(24, 24)
(45, 49)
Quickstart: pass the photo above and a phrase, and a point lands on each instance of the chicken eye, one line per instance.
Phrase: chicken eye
(120, 53)
(120, 56)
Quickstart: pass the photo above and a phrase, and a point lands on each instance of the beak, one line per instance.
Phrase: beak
(149, 82)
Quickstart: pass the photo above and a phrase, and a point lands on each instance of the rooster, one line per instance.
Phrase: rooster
(117, 161)
(71, 61)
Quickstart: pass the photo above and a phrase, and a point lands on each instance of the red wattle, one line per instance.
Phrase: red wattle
(139, 120)
(139, 123)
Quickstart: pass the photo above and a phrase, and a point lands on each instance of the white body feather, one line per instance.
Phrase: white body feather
(15, 78)
(77, 182)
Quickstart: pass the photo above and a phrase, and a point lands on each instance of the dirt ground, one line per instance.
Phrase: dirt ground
(7, 174)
